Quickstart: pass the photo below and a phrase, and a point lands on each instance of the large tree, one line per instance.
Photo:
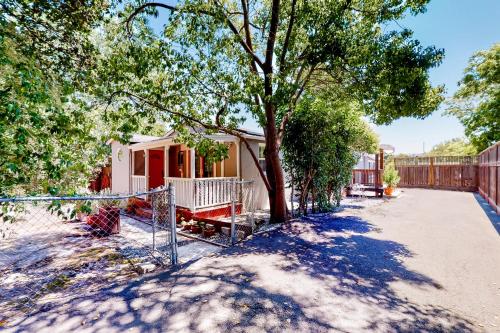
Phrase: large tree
(477, 100)
(217, 61)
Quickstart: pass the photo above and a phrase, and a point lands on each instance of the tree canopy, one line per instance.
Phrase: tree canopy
(477, 101)
(453, 147)
(50, 139)
(217, 61)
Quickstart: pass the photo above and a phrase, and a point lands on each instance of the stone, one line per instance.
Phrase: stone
(145, 267)
(226, 231)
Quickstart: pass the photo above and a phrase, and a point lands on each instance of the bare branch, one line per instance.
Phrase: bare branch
(271, 39)
(287, 37)
(139, 9)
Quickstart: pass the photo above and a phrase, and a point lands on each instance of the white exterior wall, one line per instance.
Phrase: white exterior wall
(366, 161)
(250, 172)
(120, 170)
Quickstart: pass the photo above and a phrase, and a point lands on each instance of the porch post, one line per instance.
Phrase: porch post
(132, 171)
(237, 159)
(146, 169)
(192, 162)
(192, 167)
(166, 164)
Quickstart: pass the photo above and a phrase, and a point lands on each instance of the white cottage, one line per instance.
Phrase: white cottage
(149, 162)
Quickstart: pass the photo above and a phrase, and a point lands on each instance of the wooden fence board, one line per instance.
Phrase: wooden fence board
(489, 175)
(454, 177)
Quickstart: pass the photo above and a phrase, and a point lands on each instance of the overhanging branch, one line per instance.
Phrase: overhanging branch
(229, 23)
(218, 127)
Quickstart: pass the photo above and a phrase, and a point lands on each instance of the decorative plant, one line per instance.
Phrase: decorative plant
(391, 176)
(108, 202)
(209, 230)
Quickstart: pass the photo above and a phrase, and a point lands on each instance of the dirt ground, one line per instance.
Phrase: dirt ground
(426, 261)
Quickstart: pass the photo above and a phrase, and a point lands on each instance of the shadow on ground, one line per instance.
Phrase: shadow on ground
(488, 210)
(323, 273)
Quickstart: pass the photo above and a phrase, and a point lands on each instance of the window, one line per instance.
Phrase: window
(139, 163)
(262, 158)
(180, 158)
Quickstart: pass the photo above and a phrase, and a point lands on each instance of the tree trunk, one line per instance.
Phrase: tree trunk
(277, 200)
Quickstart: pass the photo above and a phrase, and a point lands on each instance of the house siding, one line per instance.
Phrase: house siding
(120, 170)
(250, 172)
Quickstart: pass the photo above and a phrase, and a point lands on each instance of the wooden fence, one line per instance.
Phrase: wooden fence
(489, 174)
(440, 172)
(464, 173)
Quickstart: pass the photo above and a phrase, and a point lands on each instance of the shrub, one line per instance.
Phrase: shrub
(391, 176)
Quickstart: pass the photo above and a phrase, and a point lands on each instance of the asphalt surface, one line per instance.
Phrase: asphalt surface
(427, 261)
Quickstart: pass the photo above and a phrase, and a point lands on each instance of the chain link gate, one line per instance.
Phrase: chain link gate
(53, 248)
(164, 218)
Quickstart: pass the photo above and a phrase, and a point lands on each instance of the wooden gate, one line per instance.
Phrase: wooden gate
(440, 172)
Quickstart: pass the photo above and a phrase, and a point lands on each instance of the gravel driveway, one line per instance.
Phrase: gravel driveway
(427, 261)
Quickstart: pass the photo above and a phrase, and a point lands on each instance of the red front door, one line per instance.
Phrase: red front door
(156, 173)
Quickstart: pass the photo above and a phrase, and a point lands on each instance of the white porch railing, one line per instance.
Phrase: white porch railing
(138, 184)
(202, 192)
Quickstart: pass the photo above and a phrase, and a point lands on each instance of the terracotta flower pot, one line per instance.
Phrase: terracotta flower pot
(109, 219)
(195, 229)
(388, 190)
(208, 232)
(93, 220)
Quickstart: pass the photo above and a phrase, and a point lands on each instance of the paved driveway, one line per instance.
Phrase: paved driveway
(428, 261)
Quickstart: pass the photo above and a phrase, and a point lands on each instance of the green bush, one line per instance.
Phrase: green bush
(391, 176)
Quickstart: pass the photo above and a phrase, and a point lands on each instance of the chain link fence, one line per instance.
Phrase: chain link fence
(225, 223)
(54, 247)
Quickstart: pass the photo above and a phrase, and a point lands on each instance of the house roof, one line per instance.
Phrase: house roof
(136, 138)
(387, 147)
(219, 136)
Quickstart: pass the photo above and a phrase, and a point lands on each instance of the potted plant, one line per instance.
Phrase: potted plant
(185, 225)
(391, 179)
(109, 214)
(180, 222)
(196, 228)
(83, 208)
(188, 225)
(209, 230)
(93, 217)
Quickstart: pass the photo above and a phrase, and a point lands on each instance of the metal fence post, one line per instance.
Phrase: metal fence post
(252, 199)
(154, 221)
(233, 212)
(173, 230)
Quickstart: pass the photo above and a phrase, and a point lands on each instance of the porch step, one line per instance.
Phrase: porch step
(144, 212)
(220, 211)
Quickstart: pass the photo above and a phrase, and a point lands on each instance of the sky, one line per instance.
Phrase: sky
(461, 28)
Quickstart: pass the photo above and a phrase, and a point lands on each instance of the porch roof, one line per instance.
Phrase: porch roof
(168, 139)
